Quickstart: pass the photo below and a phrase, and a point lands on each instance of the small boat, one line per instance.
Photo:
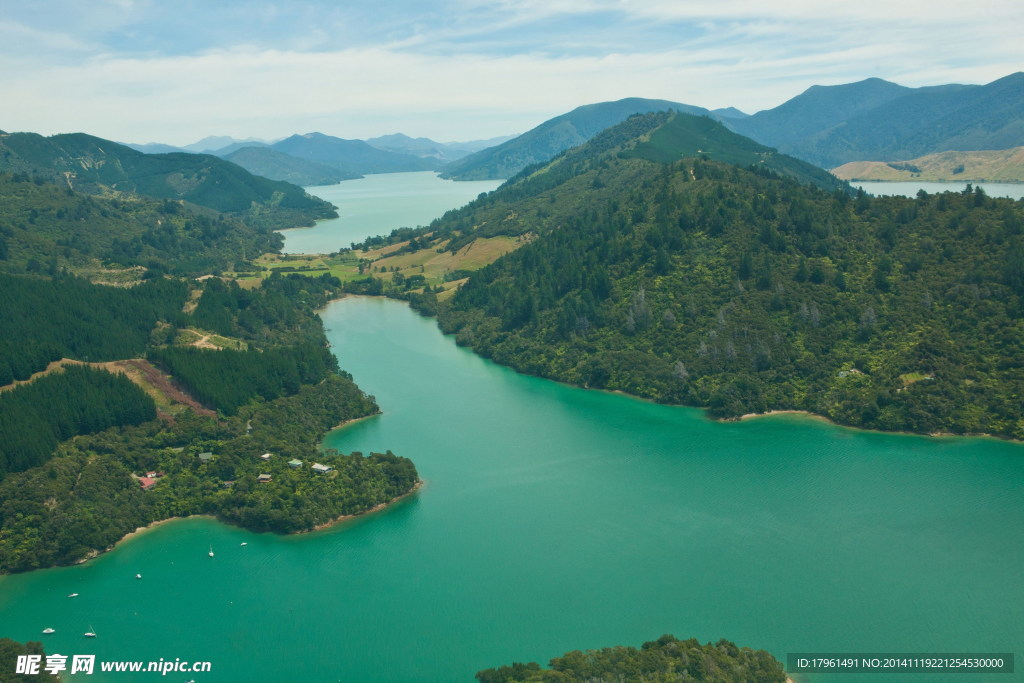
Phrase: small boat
(244, 543)
(48, 630)
(138, 576)
(91, 633)
(72, 595)
(211, 551)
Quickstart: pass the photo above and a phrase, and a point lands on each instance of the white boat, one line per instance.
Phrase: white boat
(48, 630)
(138, 576)
(244, 543)
(91, 633)
(72, 595)
(211, 551)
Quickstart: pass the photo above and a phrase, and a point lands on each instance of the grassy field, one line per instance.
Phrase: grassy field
(382, 263)
(436, 266)
(1005, 166)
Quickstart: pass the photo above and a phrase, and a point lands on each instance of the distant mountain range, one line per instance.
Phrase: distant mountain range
(429, 149)
(318, 159)
(871, 120)
(351, 156)
(96, 166)
(270, 163)
(875, 120)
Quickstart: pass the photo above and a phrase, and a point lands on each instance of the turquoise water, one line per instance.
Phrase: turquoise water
(554, 519)
(910, 189)
(377, 204)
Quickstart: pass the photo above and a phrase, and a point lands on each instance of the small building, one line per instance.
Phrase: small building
(295, 464)
(264, 478)
(154, 475)
(147, 483)
(228, 484)
(266, 456)
(321, 469)
(205, 457)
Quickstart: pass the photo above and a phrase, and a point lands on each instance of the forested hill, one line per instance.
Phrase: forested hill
(45, 228)
(704, 283)
(97, 166)
(659, 661)
(581, 175)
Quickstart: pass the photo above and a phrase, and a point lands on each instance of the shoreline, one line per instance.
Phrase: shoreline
(139, 531)
(345, 423)
(376, 508)
(823, 418)
(805, 413)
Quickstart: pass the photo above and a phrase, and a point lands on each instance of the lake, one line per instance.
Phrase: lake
(377, 204)
(554, 519)
(910, 189)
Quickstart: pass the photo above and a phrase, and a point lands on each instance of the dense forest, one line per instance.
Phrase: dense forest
(226, 379)
(700, 282)
(69, 317)
(35, 417)
(664, 660)
(10, 650)
(78, 443)
(45, 228)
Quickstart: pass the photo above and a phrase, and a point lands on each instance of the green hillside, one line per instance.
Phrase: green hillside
(709, 284)
(45, 228)
(92, 165)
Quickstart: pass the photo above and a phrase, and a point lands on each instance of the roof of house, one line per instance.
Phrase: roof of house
(147, 482)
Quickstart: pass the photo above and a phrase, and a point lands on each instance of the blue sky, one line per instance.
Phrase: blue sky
(175, 71)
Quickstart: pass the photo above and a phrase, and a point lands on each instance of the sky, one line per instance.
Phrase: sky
(176, 71)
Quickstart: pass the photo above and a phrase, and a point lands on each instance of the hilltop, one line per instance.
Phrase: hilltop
(553, 136)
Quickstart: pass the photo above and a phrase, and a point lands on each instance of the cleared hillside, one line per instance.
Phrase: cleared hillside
(1002, 165)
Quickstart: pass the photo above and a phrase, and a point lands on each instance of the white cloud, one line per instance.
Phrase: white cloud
(752, 55)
